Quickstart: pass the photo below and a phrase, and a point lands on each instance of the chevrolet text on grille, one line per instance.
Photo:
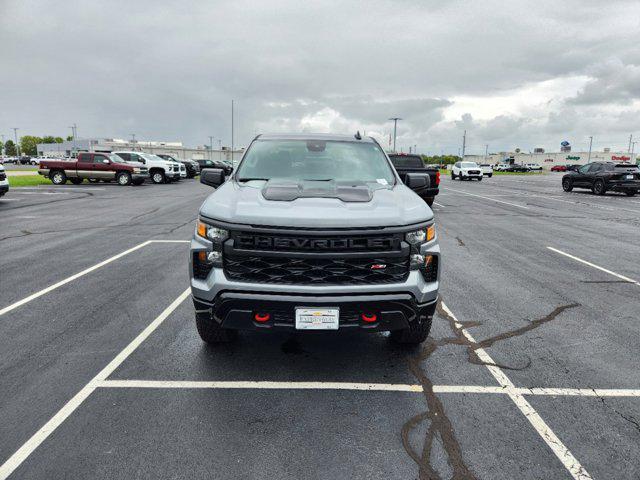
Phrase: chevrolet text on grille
(250, 241)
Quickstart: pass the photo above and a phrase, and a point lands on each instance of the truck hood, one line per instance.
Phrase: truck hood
(245, 203)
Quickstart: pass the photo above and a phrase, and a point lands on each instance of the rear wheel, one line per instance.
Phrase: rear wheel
(567, 184)
(123, 178)
(598, 187)
(212, 333)
(414, 335)
(453, 177)
(58, 177)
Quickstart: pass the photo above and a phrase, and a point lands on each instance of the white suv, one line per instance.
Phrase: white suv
(487, 169)
(160, 170)
(466, 171)
(4, 183)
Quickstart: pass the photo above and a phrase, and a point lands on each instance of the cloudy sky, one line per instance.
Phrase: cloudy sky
(513, 74)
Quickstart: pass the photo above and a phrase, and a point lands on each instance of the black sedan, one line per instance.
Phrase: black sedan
(226, 167)
(601, 177)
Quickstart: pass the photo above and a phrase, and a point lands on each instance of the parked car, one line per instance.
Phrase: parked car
(515, 168)
(466, 171)
(160, 170)
(225, 166)
(573, 168)
(4, 183)
(405, 163)
(191, 166)
(559, 168)
(600, 177)
(94, 166)
(314, 232)
(533, 167)
(487, 170)
(502, 167)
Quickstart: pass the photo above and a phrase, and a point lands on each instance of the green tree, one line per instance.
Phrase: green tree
(28, 145)
(59, 139)
(10, 148)
(69, 138)
(48, 139)
(1, 147)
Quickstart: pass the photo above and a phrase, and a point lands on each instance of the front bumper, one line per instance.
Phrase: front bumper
(470, 175)
(236, 310)
(172, 175)
(624, 186)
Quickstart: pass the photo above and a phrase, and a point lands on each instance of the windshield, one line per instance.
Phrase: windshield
(469, 165)
(315, 160)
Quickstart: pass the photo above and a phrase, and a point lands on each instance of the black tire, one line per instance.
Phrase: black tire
(599, 187)
(429, 201)
(630, 193)
(212, 333)
(490, 175)
(76, 181)
(138, 181)
(567, 184)
(479, 179)
(58, 177)
(414, 335)
(453, 177)
(123, 178)
(157, 177)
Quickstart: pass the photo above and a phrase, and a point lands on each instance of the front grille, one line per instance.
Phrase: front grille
(316, 271)
(473, 172)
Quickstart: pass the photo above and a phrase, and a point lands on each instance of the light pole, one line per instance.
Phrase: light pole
(464, 144)
(232, 145)
(633, 147)
(630, 139)
(486, 152)
(15, 135)
(210, 147)
(395, 128)
(219, 149)
(590, 145)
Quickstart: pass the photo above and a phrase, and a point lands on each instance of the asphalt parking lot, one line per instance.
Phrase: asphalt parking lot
(531, 371)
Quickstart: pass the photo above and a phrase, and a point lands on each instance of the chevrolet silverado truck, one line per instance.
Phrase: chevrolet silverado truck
(94, 166)
(314, 232)
(404, 164)
(160, 170)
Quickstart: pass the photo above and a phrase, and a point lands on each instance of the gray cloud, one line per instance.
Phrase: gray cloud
(168, 70)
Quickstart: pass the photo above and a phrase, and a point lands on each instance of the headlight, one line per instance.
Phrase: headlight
(215, 234)
(420, 236)
(136, 170)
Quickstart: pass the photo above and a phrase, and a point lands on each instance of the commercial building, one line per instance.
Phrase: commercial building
(176, 149)
(548, 160)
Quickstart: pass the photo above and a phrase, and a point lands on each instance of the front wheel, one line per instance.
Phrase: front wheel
(158, 177)
(567, 184)
(414, 335)
(212, 333)
(479, 179)
(453, 177)
(123, 178)
(58, 177)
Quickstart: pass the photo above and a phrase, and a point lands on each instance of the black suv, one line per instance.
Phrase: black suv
(602, 176)
(221, 164)
(192, 166)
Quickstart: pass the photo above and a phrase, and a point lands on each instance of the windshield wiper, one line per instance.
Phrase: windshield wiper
(248, 179)
(317, 179)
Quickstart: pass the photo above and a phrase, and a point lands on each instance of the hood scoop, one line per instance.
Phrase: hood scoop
(287, 191)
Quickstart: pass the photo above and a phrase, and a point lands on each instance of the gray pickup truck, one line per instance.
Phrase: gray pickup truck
(314, 232)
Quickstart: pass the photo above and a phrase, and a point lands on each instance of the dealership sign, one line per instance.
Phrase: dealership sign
(569, 157)
(621, 158)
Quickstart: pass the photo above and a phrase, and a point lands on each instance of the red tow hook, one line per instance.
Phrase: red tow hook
(261, 317)
(369, 317)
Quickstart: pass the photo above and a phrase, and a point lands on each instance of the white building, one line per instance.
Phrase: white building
(548, 160)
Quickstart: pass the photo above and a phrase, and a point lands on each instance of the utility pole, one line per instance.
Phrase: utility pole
(486, 152)
(232, 145)
(633, 147)
(590, 144)
(210, 147)
(464, 144)
(630, 138)
(395, 129)
(219, 149)
(133, 137)
(15, 134)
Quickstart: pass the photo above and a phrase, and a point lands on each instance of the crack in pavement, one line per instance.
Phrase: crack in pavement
(439, 422)
(460, 242)
(631, 419)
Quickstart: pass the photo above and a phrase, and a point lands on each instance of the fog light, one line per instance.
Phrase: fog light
(369, 317)
(416, 261)
(213, 257)
(261, 317)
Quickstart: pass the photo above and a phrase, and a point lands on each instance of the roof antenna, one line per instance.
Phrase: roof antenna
(358, 136)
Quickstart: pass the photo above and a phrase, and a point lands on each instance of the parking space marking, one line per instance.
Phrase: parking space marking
(436, 203)
(570, 462)
(488, 198)
(378, 387)
(50, 288)
(593, 265)
(90, 189)
(48, 428)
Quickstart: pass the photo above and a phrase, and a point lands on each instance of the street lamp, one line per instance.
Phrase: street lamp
(210, 147)
(395, 128)
(590, 144)
(15, 134)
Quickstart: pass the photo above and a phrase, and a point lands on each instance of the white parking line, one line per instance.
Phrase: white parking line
(487, 198)
(50, 288)
(570, 462)
(48, 428)
(593, 265)
(436, 203)
(379, 387)
(89, 189)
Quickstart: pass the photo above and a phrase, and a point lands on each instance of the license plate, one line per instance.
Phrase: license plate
(629, 177)
(317, 318)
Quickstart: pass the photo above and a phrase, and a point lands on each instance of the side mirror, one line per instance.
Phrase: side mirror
(213, 177)
(417, 181)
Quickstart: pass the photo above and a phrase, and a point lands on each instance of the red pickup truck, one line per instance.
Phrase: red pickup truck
(94, 166)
